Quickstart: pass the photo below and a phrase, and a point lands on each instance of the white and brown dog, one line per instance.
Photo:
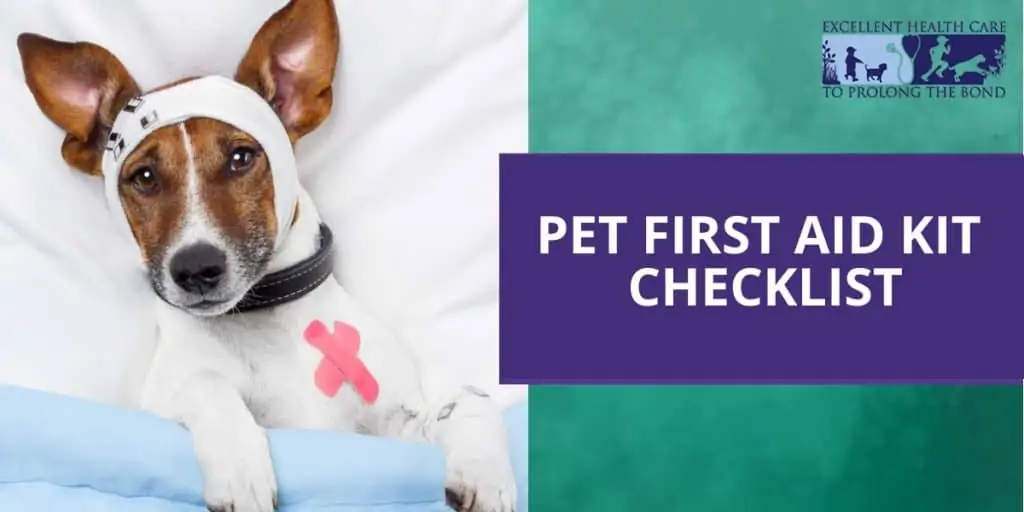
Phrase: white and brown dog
(236, 254)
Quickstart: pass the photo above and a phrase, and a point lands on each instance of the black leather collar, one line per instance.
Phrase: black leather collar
(294, 282)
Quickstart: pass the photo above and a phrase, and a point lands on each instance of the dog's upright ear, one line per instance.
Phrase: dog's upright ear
(81, 87)
(291, 63)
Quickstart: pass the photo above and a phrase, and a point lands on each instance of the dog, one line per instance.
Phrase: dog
(876, 73)
(201, 202)
(972, 65)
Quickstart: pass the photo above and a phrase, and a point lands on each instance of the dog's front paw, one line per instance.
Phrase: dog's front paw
(480, 484)
(238, 475)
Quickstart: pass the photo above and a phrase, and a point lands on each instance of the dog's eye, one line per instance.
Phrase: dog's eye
(144, 180)
(241, 159)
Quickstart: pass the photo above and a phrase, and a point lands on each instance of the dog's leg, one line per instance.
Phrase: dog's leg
(195, 381)
(471, 432)
(427, 402)
(469, 428)
(232, 449)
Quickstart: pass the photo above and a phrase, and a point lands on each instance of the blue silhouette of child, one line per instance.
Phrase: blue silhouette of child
(851, 63)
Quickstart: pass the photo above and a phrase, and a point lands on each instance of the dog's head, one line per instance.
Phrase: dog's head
(883, 66)
(198, 195)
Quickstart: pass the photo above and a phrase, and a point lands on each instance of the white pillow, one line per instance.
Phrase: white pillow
(405, 171)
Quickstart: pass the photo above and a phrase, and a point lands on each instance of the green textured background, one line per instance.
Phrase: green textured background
(742, 76)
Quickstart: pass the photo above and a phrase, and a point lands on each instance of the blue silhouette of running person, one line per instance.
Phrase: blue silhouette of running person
(851, 63)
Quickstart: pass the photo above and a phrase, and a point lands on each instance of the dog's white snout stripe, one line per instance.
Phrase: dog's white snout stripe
(196, 224)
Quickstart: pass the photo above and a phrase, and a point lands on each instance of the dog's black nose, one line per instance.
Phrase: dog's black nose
(198, 268)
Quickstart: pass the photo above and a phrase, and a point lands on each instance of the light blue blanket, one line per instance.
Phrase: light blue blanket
(61, 454)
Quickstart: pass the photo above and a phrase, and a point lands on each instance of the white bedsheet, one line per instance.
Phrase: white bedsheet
(405, 171)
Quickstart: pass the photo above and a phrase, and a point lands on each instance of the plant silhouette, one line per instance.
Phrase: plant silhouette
(829, 75)
(995, 69)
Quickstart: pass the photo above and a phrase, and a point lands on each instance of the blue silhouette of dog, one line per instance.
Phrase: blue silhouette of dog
(875, 73)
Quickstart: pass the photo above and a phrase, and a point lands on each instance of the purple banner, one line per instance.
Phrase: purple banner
(761, 268)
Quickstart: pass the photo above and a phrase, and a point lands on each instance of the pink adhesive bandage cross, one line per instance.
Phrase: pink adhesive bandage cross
(341, 360)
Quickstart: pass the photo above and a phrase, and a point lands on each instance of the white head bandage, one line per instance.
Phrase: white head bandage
(211, 97)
